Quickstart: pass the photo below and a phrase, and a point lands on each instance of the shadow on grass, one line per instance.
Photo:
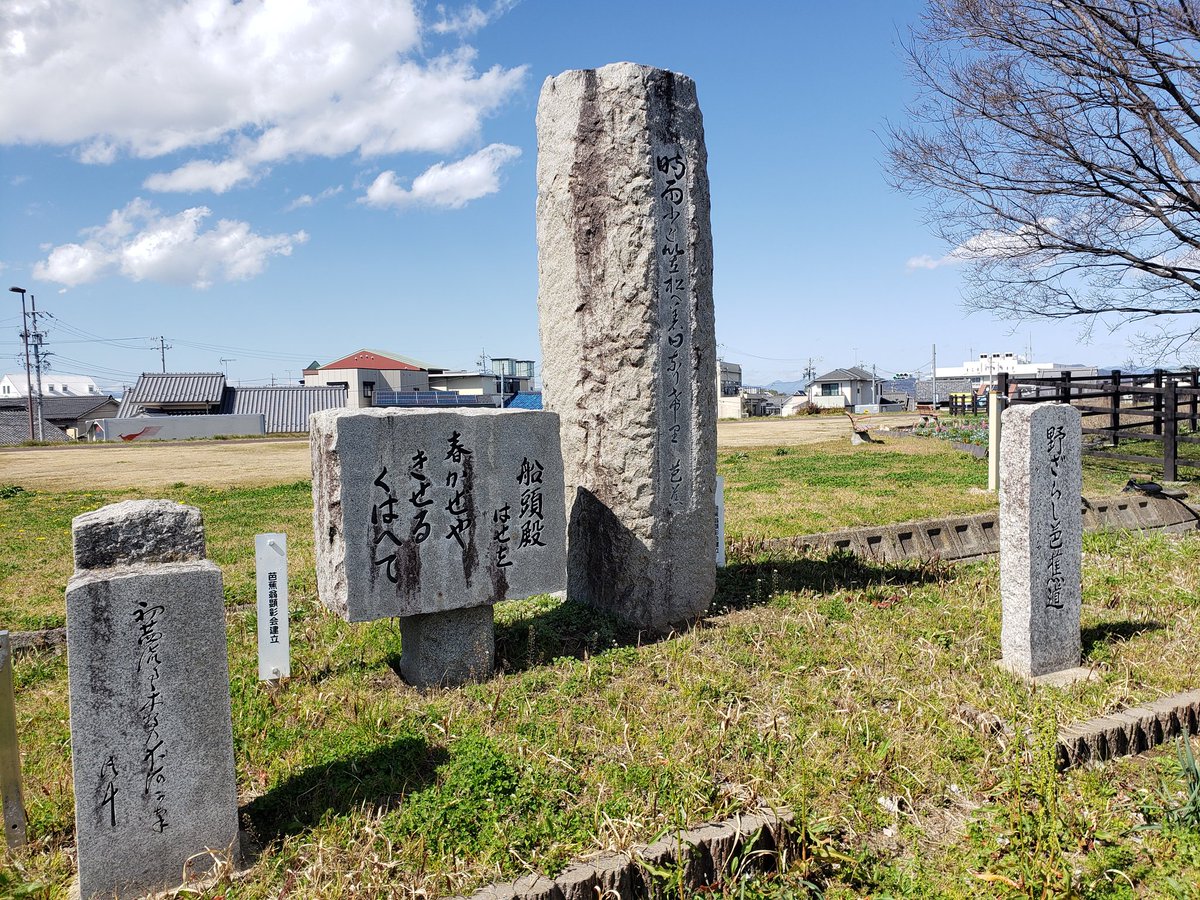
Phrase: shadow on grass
(1115, 632)
(753, 581)
(567, 629)
(560, 629)
(379, 778)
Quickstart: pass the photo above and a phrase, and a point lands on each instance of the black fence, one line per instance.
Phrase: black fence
(1160, 406)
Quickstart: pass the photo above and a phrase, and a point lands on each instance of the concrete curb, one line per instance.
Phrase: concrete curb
(1129, 732)
(702, 856)
(967, 538)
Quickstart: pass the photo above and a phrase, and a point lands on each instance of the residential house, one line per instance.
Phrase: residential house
(793, 405)
(54, 384)
(378, 378)
(851, 387)
(14, 428)
(365, 372)
(729, 390)
(73, 415)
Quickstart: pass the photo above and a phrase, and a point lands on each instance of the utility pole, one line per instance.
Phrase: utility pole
(163, 347)
(28, 378)
(935, 378)
(38, 361)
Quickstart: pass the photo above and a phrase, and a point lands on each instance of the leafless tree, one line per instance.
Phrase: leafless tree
(1058, 145)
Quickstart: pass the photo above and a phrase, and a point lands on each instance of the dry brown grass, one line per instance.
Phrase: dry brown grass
(109, 466)
(283, 461)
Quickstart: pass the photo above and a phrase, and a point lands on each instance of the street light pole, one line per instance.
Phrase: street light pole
(28, 378)
(37, 364)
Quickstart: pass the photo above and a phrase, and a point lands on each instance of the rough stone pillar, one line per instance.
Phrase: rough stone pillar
(151, 733)
(628, 345)
(1041, 539)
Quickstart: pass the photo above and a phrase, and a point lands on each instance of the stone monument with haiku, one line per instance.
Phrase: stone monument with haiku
(626, 317)
(433, 517)
(1041, 541)
(151, 733)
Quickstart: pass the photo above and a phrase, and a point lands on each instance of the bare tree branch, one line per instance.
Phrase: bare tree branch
(1057, 143)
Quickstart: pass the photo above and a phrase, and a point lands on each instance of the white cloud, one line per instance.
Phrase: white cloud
(201, 175)
(470, 18)
(306, 200)
(928, 262)
(141, 243)
(250, 83)
(448, 185)
(991, 244)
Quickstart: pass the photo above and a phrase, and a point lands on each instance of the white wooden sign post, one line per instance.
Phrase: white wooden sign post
(270, 562)
(10, 752)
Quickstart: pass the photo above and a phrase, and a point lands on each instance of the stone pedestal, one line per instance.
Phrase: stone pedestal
(151, 732)
(447, 648)
(1041, 540)
(626, 314)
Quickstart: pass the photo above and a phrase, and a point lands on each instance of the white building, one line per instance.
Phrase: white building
(729, 390)
(984, 370)
(844, 387)
(53, 385)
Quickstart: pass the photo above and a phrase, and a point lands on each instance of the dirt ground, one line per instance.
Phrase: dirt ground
(230, 463)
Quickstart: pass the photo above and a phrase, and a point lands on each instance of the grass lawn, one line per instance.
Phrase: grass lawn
(851, 692)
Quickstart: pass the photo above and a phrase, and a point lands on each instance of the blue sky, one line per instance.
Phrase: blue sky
(274, 182)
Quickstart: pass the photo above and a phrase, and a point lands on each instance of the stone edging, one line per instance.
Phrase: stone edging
(47, 639)
(702, 856)
(973, 537)
(1129, 732)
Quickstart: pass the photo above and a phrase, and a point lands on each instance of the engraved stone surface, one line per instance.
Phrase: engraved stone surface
(1041, 538)
(626, 314)
(423, 511)
(151, 733)
(137, 531)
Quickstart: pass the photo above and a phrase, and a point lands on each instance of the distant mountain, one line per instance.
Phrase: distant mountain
(787, 387)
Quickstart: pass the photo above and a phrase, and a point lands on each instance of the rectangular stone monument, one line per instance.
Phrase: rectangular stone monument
(433, 517)
(151, 732)
(626, 314)
(1041, 541)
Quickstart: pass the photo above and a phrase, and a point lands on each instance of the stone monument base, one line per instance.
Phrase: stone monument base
(1060, 679)
(447, 648)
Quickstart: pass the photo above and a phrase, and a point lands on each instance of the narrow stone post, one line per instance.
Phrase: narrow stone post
(1041, 542)
(151, 732)
(626, 315)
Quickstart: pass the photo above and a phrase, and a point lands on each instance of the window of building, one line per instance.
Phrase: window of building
(830, 389)
(368, 390)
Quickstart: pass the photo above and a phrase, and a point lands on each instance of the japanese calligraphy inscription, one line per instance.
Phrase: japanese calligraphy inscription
(676, 380)
(1041, 535)
(151, 733)
(419, 512)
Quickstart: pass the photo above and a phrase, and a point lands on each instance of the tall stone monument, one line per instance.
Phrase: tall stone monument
(628, 345)
(151, 733)
(1041, 541)
(433, 517)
